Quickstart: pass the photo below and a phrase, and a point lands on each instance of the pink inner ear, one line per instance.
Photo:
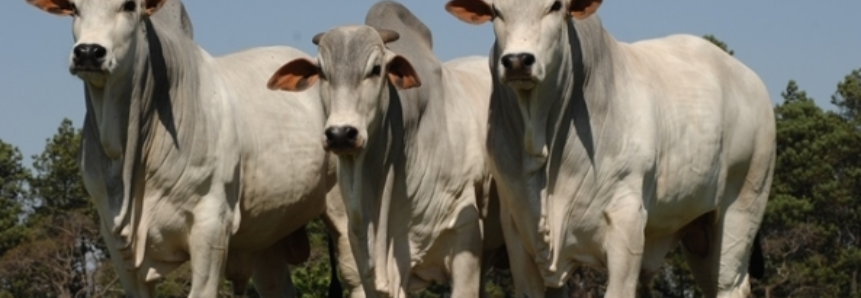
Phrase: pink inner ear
(474, 12)
(296, 75)
(402, 74)
(151, 6)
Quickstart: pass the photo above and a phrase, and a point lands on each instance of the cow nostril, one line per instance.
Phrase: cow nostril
(506, 60)
(99, 52)
(352, 133)
(527, 59)
(80, 51)
(332, 133)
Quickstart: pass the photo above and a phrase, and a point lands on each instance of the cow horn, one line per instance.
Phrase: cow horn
(316, 39)
(388, 35)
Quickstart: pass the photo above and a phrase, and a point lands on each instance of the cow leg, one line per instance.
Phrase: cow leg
(271, 273)
(624, 243)
(335, 219)
(238, 271)
(488, 259)
(207, 244)
(466, 263)
(653, 257)
(723, 271)
(133, 284)
(528, 281)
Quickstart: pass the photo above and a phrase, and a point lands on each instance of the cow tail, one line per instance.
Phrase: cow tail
(335, 289)
(756, 267)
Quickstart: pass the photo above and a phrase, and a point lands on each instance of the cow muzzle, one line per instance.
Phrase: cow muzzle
(88, 57)
(343, 140)
(518, 70)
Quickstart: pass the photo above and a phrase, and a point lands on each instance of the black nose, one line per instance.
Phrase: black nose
(518, 61)
(89, 54)
(341, 137)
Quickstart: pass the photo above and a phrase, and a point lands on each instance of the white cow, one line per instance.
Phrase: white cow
(189, 156)
(408, 132)
(608, 154)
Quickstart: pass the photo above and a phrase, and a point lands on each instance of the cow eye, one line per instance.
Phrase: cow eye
(496, 13)
(375, 71)
(129, 6)
(556, 6)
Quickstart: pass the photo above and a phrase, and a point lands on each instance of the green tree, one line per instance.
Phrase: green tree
(57, 182)
(13, 179)
(58, 186)
(62, 241)
(13, 193)
(811, 227)
(848, 97)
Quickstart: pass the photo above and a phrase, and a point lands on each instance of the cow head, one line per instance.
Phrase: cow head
(354, 68)
(528, 33)
(104, 33)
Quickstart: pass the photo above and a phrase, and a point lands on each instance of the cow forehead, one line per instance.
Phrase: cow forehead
(349, 39)
(349, 46)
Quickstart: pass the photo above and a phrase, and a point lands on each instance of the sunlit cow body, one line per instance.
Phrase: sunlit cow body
(411, 167)
(608, 154)
(189, 156)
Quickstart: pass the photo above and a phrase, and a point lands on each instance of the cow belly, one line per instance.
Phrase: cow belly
(282, 189)
(668, 216)
(260, 227)
(685, 193)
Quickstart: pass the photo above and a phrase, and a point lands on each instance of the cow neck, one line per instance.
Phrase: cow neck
(577, 150)
(381, 162)
(141, 108)
(391, 160)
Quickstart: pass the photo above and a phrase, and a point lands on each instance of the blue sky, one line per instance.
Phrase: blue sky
(816, 44)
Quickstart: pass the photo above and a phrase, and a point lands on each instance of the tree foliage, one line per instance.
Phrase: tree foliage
(848, 97)
(13, 177)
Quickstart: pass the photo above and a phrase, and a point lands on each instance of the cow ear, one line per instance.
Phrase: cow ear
(401, 73)
(55, 7)
(474, 12)
(296, 75)
(581, 9)
(151, 6)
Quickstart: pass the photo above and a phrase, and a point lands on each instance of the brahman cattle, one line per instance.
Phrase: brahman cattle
(608, 154)
(188, 156)
(408, 133)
